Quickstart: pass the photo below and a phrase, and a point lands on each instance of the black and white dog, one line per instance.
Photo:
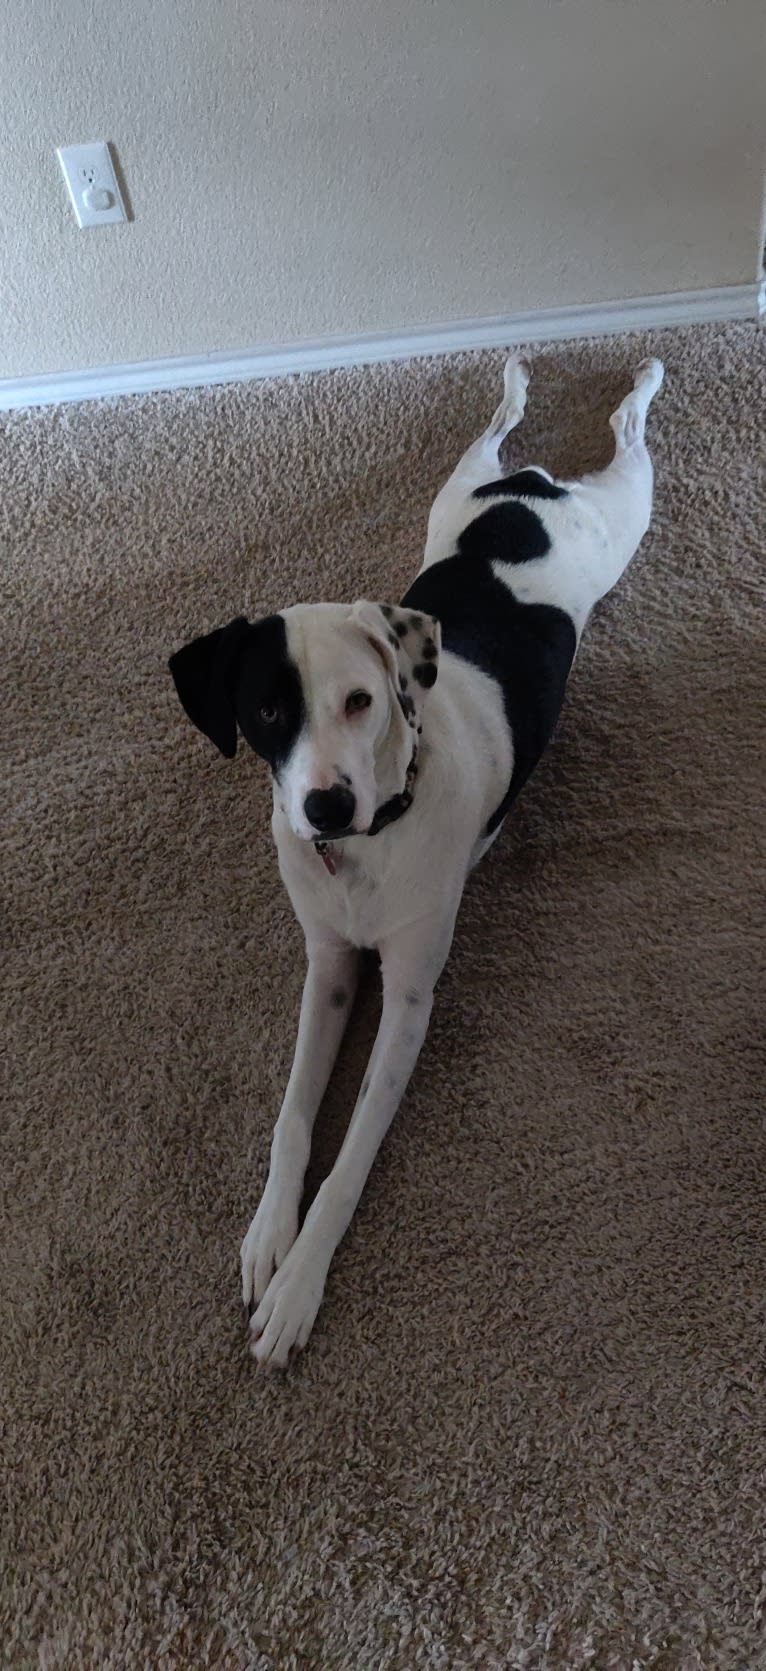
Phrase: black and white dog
(365, 743)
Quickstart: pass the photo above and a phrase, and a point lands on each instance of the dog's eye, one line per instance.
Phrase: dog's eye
(269, 714)
(358, 700)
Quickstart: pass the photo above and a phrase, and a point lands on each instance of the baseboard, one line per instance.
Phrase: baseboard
(683, 307)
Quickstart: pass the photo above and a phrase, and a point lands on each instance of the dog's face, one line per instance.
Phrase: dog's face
(330, 695)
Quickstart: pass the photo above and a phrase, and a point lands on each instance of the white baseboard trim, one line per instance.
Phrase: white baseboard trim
(683, 307)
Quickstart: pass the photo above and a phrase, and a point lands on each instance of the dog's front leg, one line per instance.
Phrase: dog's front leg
(412, 961)
(327, 997)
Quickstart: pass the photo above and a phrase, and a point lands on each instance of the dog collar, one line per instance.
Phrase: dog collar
(385, 815)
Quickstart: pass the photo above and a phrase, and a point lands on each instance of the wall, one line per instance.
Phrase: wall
(300, 168)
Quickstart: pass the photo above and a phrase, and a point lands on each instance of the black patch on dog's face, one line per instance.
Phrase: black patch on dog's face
(528, 484)
(242, 676)
(269, 682)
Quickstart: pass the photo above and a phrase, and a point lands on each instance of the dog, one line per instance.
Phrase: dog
(398, 737)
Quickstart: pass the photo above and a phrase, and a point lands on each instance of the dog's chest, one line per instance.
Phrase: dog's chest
(356, 901)
(361, 902)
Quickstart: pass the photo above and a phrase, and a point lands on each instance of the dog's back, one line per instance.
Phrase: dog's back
(514, 564)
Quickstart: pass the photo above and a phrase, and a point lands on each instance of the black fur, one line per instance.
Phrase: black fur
(227, 678)
(425, 673)
(528, 484)
(527, 648)
(205, 674)
(508, 533)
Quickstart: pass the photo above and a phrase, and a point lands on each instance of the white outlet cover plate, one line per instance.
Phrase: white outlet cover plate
(88, 172)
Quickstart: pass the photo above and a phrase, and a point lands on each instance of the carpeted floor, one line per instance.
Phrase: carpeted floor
(529, 1431)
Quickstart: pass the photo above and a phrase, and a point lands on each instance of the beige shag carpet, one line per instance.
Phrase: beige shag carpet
(529, 1431)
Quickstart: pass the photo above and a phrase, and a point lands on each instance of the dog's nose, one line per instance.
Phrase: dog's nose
(330, 809)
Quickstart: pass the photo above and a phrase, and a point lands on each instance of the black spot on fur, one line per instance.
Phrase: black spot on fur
(527, 648)
(387, 610)
(365, 1085)
(416, 621)
(411, 996)
(527, 484)
(508, 533)
(338, 997)
(403, 682)
(425, 673)
(406, 704)
(401, 629)
(429, 650)
(393, 641)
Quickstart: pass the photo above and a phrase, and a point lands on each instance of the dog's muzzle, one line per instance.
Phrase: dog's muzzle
(386, 814)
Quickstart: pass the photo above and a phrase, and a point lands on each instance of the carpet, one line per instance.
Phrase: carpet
(529, 1431)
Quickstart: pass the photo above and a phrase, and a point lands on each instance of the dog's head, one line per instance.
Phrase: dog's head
(330, 695)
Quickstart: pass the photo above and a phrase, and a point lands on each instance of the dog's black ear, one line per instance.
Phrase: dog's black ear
(204, 673)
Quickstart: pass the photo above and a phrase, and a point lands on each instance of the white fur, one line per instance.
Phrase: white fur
(401, 890)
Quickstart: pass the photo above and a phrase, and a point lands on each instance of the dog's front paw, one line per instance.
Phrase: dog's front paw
(268, 1241)
(285, 1316)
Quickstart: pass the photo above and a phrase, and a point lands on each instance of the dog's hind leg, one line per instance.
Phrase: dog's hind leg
(479, 464)
(622, 493)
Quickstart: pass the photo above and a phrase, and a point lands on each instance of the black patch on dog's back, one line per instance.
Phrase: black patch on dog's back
(508, 533)
(527, 647)
(529, 484)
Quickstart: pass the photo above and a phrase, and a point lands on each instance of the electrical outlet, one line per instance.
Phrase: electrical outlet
(93, 189)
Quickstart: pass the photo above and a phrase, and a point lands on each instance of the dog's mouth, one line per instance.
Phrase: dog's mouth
(334, 835)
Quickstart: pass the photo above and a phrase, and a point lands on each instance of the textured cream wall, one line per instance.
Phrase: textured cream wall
(301, 168)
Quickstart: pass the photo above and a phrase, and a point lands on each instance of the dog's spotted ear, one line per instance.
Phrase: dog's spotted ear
(205, 673)
(409, 643)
